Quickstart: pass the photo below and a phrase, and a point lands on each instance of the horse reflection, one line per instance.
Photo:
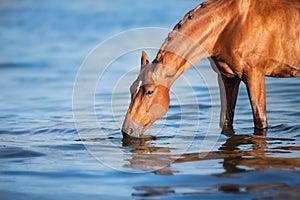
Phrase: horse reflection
(240, 152)
(236, 148)
(257, 156)
(148, 158)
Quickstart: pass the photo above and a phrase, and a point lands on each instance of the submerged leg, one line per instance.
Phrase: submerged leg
(229, 88)
(255, 83)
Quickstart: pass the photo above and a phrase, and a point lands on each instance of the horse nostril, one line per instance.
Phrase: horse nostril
(130, 131)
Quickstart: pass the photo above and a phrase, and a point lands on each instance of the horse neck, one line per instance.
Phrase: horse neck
(193, 39)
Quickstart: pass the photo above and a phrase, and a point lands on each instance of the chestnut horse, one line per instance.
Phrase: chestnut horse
(245, 40)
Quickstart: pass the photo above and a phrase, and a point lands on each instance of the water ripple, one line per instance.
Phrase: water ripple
(15, 152)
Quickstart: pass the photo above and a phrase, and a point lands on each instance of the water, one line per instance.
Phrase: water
(44, 156)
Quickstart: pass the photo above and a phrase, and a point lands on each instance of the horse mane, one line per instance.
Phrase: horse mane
(191, 13)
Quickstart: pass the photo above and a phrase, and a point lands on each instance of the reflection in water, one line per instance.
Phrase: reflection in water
(145, 157)
(277, 191)
(248, 150)
(239, 153)
(252, 151)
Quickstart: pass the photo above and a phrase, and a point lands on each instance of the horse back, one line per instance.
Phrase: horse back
(264, 35)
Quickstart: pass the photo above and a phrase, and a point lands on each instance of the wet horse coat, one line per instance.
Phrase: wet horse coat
(245, 40)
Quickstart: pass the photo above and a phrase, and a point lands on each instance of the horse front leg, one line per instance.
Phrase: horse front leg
(229, 88)
(255, 83)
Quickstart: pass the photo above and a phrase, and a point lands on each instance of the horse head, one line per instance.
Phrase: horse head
(149, 100)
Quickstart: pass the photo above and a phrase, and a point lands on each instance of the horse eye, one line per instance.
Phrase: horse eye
(150, 92)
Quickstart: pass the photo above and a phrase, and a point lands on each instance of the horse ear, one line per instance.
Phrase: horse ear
(144, 59)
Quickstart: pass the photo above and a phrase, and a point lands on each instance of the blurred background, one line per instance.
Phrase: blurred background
(43, 44)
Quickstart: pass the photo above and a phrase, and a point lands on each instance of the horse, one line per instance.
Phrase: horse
(245, 40)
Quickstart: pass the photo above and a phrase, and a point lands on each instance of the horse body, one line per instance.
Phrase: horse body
(264, 36)
(245, 40)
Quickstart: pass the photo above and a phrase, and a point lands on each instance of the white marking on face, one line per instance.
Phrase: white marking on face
(139, 86)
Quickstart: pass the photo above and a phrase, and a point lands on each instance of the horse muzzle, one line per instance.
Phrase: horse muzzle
(131, 129)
